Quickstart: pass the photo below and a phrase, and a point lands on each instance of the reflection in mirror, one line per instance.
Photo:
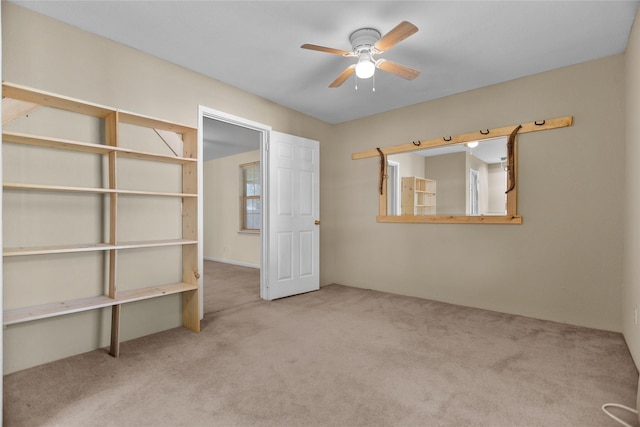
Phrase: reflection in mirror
(461, 180)
(393, 187)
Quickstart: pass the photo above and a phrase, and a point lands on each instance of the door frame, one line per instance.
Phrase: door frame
(474, 192)
(264, 131)
(396, 187)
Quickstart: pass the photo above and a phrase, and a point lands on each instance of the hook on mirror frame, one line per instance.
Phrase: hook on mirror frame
(485, 132)
(445, 139)
(537, 123)
(417, 143)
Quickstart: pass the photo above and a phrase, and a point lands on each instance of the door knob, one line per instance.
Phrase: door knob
(317, 222)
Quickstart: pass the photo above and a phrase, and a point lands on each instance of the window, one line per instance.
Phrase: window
(250, 206)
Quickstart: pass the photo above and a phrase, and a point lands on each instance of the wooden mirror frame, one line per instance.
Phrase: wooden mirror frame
(511, 217)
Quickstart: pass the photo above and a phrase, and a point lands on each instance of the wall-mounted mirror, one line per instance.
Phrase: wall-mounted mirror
(467, 179)
(463, 179)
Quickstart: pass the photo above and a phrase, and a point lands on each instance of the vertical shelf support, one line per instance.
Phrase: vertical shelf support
(111, 138)
(190, 273)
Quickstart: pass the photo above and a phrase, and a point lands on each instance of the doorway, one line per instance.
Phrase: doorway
(290, 178)
(226, 142)
(474, 192)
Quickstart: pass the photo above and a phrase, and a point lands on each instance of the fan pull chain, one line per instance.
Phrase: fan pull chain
(373, 81)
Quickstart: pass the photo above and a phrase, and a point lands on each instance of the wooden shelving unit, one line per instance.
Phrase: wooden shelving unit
(111, 151)
(418, 196)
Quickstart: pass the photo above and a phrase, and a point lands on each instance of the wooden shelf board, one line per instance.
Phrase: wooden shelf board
(44, 311)
(153, 292)
(60, 249)
(85, 147)
(26, 314)
(47, 99)
(140, 155)
(36, 187)
(154, 193)
(153, 123)
(154, 243)
(59, 143)
(64, 249)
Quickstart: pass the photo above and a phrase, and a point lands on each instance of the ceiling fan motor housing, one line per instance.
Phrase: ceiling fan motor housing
(362, 40)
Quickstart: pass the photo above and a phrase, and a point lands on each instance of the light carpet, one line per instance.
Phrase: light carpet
(340, 356)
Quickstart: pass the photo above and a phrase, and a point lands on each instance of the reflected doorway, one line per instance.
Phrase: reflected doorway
(474, 190)
(393, 188)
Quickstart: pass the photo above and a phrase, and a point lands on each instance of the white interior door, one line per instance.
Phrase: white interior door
(293, 234)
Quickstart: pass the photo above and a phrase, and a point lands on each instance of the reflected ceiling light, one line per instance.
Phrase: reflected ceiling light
(472, 144)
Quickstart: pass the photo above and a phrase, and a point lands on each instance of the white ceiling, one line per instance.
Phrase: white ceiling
(255, 45)
(223, 139)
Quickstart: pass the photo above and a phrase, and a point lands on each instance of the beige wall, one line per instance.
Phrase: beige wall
(451, 186)
(631, 242)
(48, 55)
(222, 242)
(563, 263)
(497, 182)
(410, 164)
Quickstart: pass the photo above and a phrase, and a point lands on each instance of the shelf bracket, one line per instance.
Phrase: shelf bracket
(173, 141)
(13, 109)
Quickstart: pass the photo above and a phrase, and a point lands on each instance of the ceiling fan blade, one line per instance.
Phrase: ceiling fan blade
(326, 49)
(395, 36)
(397, 69)
(344, 76)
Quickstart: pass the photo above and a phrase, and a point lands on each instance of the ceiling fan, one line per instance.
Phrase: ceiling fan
(367, 42)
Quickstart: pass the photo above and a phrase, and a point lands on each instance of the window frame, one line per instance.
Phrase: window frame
(244, 198)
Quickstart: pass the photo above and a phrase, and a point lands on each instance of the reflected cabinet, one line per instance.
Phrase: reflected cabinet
(418, 196)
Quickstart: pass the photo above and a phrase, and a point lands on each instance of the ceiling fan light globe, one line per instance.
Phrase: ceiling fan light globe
(365, 68)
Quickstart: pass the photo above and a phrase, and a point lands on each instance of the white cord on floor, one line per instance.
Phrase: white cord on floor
(617, 405)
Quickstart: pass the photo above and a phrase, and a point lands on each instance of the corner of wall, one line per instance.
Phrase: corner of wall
(631, 239)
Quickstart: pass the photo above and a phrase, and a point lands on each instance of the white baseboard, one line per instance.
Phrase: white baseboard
(228, 261)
